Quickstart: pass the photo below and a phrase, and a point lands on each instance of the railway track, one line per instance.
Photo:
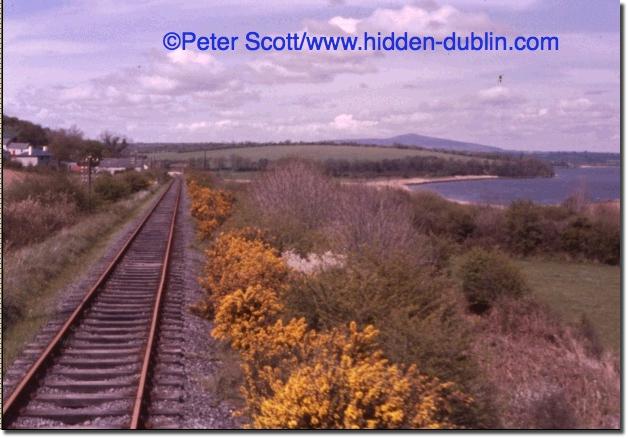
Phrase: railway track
(114, 362)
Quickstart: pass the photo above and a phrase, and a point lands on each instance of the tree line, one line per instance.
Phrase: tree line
(505, 166)
(64, 144)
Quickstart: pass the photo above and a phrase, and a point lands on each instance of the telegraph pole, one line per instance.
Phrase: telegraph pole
(90, 164)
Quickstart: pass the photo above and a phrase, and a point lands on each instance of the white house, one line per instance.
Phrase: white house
(16, 148)
(26, 154)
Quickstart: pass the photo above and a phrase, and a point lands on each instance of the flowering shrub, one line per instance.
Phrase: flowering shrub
(236, 262)
(209, 207)
(357, 394)
(242, 314)
(300, 378)
(295, 377)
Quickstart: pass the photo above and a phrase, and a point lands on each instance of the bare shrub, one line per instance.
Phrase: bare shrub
(306, 209)
(552, 411)
(489, 225)
(379, 221)
(606, 212)
(294, 198)
(540, 368)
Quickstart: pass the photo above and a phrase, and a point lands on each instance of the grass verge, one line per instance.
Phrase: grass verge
(35, 274)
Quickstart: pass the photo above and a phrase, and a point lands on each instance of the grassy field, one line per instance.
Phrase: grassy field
(317, 152)
(573, 289)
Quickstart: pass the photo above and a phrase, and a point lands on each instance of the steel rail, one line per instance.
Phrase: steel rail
(140, 397)
(22, 390)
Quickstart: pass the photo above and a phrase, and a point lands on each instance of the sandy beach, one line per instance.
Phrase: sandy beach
(404, 183)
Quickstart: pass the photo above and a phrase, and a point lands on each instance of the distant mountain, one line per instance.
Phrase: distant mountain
(424, 141)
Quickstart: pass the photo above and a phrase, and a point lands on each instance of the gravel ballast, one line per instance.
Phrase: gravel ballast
(203, 408)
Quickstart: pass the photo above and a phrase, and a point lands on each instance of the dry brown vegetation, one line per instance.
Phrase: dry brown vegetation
(305, 210)
(40, 204)
(546, 375)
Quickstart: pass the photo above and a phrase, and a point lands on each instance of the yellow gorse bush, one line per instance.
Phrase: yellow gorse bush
(295, 377)
(209, 207)
(234, 262)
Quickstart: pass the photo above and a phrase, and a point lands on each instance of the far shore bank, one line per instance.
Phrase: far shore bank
(405, 183)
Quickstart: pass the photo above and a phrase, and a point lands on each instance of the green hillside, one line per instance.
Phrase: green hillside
(318, 152)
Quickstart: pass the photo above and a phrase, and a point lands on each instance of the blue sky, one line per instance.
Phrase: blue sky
(100, 65)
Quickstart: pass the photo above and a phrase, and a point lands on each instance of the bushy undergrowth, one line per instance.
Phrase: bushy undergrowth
(415, 308)
(488, 276)
(524, 228)
(40, 204)
(313, 343)
(43, 187)
(297, 376)
(30, 220)
(110, 188)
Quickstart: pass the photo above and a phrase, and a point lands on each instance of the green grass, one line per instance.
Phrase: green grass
(316, 152)
(573, 289)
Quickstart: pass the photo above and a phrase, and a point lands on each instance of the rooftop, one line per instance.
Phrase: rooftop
(18, 145)
(36, 152)
(126, 163)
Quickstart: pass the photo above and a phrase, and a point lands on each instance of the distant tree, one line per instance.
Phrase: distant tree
(25, 131)
(66, 144)
(70, 145)
(93, 148)
(114, 144)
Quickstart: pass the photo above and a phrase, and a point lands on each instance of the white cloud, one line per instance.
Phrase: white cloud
(348, 25)
(499, 95)
(312, 67)
(575, 105)
(192, 58)
(435, 21)
(324, 66)
(346, 122)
